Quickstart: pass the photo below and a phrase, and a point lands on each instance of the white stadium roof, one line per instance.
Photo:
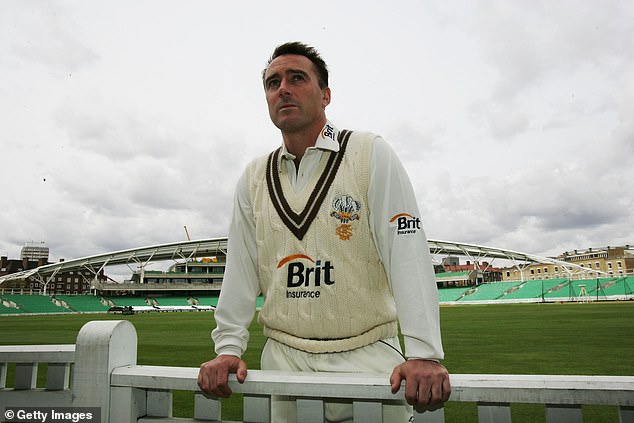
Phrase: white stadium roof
(188, 250)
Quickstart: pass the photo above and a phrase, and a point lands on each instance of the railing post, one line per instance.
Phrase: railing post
(57, 376)
(257, 408)
(127, 404)
(563, 413)
(159, 403)
(25, 375)
(626, 414)
(494, 412)
(101, 347)
(437, 416)
(206, 408)
(3, 375)
(367, 412)
(310, 410)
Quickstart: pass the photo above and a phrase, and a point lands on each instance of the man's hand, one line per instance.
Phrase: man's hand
(427, 384)
(214, 374)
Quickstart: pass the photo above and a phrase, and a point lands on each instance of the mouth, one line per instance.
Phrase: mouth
(286, 106)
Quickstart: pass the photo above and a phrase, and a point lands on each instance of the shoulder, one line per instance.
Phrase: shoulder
(378, 153)
(363, 137)
(260, 162)
(371, 142)
(358, 140)
(366, 137)
(255, 171)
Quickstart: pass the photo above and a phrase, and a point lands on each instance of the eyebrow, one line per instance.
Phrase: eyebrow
(288, 72)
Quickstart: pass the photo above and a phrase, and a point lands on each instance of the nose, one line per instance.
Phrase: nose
(283, 90)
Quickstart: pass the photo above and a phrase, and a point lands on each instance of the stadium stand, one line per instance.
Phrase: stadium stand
(129, 301)
(582, 288)
(554, 288)
(83, 303)
(525, 290)
(173, 301)
(207, 300)
(611, 286)
(8, 310)
(35, 303)
(561, 290)
(447, 295)
(7, 307)
(489, 291)
(615, 288)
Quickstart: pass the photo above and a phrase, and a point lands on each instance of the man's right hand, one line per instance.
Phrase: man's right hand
(214, 374)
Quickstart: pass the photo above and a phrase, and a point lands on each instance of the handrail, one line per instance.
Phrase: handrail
(64, 353)
(562, 395)
(105, 375)
(537, 389)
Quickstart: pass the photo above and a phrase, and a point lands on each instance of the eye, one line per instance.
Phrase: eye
(273, 83)
(298, 77)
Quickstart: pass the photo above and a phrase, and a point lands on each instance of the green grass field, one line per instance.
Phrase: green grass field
(584, 339)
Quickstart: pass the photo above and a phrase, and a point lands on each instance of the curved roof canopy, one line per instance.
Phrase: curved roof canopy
(188, 250)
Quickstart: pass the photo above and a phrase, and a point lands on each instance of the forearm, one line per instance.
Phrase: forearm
(240, 288)
(416, 298)
(397, 227)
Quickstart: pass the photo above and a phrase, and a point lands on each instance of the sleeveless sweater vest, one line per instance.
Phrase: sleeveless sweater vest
(324, 285)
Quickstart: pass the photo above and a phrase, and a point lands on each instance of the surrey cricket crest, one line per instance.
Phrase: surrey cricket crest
(345, 210)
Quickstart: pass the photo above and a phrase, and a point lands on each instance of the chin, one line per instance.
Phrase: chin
(288, 125)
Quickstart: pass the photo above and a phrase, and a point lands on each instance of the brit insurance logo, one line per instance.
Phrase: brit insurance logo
(406, 223)
(305, 275)
(328, 132)
(345, 210)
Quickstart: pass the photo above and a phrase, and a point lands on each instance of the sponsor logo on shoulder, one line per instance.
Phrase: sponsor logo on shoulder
(303, 272)
(406, 223)
(328, 132)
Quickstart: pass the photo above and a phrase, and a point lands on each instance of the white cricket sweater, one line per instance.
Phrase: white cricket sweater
(324, 285)
(404, 253)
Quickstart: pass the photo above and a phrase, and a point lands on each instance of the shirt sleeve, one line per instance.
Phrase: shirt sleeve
(240, 287)
(395, 222)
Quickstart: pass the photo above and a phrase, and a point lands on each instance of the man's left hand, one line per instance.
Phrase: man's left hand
(427, 385)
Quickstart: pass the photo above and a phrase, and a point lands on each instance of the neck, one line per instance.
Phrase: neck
(298, 141)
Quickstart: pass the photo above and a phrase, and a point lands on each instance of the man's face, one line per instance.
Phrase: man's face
(293, 95)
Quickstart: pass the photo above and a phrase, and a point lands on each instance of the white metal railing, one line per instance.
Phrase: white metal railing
(105, 375)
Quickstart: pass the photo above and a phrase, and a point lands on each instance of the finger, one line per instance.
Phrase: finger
(411, 392)
(208, 385)
(446, 389)
(434, 407)
(428, 391)
(436, 392)
(220, 384)
(202, 380)
(241, 373)
(422, 401)
(396, 379)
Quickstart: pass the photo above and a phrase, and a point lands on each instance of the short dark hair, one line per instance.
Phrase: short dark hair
(307, 51)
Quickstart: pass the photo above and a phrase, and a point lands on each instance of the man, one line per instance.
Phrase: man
(328, 230)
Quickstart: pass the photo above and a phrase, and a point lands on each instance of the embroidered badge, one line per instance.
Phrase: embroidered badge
(345, 210)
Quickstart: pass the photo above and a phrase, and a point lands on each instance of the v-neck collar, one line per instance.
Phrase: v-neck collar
(298, 223)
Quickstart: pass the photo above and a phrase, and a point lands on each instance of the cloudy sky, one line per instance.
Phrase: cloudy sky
(123, 121)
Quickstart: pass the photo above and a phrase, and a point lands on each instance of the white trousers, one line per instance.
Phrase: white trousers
(374, 358)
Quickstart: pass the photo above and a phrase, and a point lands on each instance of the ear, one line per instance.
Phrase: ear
(326, 99)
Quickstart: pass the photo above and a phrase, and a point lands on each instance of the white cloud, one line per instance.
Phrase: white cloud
(43, 34)
(513, 120)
